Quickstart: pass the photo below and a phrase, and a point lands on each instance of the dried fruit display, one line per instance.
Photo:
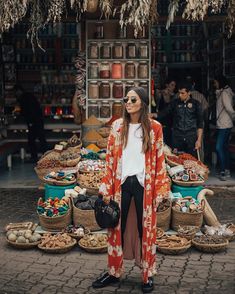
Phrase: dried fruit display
(94, 240)
(90, 180)
(172, 242)
(207, 239)
(59, 240)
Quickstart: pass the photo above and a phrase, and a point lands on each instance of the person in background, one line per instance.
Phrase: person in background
(136, 179)
(198, 96)
(187, 118)
(224, 123)
(167, 95)
(205, 106)
(32, 113)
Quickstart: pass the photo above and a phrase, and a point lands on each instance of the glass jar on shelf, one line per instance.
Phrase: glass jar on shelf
(143, 70)
(143, 50)
(105, 109)
(117, 50)
(128, 86)
(93, 109)
(93, 70)
(99, 34)
(131, 50)
(104, 89)
(104, 70)
(105, 50)
(144, 84)
(93, 50)
(117, 109)
(117, 89)
(116, 70)
(130, 70)
(93, 90)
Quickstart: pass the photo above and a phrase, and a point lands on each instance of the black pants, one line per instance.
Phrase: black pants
(185, 143)
(36, 131)
(132, 188)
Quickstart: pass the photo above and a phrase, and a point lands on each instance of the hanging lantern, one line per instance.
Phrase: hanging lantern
(92, 5)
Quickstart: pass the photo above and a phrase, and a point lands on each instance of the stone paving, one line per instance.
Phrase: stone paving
(33, 271)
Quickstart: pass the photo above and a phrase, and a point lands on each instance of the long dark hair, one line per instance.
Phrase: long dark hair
(222, 80)
(144, 120)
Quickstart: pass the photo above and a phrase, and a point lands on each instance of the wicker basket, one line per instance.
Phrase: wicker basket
(58, 250)
(171, 163)
(23, 245)
(102, 249)
(160, 233)
(42, 172)
(189, 183)
(174, 250)
(75, 236)
(59, 183)
(190, 235)
(179, 218)
(56, 223)
(210, 248)
(71, 162)
(232, 228)
(85, 218)
(164, 219)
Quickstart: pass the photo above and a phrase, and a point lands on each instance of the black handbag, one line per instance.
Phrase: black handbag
(107, 215)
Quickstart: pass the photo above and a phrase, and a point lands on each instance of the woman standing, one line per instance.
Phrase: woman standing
(136, 179)
(224, 123)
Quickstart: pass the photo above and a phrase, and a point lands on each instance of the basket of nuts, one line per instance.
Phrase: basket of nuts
(94, 243)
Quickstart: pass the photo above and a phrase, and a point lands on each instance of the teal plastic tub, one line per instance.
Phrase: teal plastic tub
(186, 191)
(56, 191)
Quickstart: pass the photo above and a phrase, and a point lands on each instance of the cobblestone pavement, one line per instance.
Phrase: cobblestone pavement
(34, 272)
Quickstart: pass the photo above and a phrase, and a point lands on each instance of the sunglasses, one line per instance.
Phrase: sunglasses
(132, 99)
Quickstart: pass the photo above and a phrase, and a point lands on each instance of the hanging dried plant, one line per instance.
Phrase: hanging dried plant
(172, 10)
(135, 13)
(78, 7)
(37, 20)
(55, 10)
(230, 21)
(153, 17)
(11, 12)
(106, 8)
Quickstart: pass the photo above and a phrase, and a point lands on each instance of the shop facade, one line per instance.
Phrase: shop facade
(115, 59)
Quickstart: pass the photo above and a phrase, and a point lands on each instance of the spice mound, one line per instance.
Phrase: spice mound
(92, 136)
(92, 121)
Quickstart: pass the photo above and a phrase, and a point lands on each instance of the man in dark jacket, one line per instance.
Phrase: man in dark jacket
(32, 113)
(187, 116)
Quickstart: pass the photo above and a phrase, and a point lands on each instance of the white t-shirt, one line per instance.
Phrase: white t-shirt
(133, 159)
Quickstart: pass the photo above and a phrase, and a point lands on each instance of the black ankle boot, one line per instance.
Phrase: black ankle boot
(105, 280)
(148, 287)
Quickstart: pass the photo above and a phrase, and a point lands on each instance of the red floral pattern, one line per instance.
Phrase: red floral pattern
(157, 186)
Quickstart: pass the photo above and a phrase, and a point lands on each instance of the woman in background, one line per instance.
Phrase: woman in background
(224, 123)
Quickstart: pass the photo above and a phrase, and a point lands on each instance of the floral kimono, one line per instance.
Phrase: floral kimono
(156, 187)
